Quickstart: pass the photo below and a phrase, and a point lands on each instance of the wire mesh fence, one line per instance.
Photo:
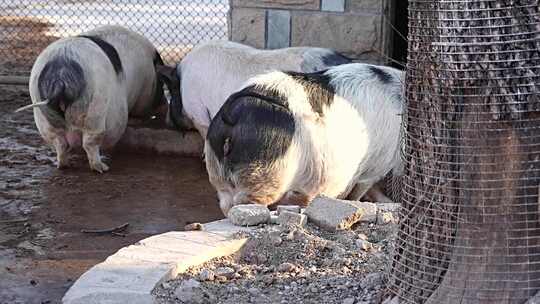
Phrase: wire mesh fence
(174, 26)
(470, 225)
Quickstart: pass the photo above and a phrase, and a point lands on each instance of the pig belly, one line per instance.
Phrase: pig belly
(74, 139)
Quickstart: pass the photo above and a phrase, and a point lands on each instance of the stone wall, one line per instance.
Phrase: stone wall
(358, 28)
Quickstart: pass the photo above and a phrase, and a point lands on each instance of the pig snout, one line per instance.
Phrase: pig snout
(227, 200)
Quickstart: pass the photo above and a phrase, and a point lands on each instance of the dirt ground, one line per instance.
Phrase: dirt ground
(42, 209)
(292, 265)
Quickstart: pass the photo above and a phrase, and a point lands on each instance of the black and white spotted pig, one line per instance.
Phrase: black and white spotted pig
(83, 89)
(288, 137)
(212, 71)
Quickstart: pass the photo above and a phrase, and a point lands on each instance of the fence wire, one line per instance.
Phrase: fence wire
(470, 224)
(174, 26)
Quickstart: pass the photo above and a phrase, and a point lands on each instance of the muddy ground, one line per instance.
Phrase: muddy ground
(42, 209)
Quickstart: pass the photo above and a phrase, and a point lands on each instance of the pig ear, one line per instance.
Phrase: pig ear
(167, 73)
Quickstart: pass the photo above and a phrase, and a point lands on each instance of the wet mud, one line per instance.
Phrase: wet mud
(43, 209)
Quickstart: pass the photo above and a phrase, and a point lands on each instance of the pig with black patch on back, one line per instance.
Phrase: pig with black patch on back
(288, 137)
(212, 71)
(84, 88)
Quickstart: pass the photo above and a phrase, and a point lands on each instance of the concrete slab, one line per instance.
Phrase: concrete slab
(130, 275)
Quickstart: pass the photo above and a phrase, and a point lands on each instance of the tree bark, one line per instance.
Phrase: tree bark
(469, 230)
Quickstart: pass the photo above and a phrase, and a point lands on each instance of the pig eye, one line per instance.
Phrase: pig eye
(227, 146)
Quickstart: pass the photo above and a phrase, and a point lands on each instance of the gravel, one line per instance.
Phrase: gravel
(281, 264)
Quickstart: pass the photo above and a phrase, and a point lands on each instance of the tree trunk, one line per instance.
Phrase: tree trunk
(470, 230)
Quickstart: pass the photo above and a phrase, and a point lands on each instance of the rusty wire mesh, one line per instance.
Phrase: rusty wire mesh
(470, 230)
(174, 26)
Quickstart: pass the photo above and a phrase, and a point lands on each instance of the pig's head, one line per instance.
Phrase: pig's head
(251, 150)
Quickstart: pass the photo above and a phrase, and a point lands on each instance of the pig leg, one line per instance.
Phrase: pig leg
(359, 190)
(377, 195)
(91, 144)
(203, 130)
(61, 146)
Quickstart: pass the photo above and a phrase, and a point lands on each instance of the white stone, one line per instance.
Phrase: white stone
(249, 215)
(348, 301)
(290, 208)
(206, 275)
(274, 219)
(369, 214)
(364, 245)
(287, 218)
(384, 218)
(227, 272)
(286, 267)
(394, 300)
(333, 214)
(388, 207)
(189, 292)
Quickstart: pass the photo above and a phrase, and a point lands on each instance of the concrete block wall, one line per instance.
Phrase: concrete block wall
(359, 29)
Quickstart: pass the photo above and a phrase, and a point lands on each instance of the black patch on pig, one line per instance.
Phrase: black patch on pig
(109, 50)
(158, 93)
(61, 81)
(333, 58)
(254, 125)
(317, 86)
(383, 76)
(319, 59)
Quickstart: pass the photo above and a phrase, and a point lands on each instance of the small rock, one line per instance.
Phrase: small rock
(362, 236)
(248, 215)
(286, 267)
(290, 208)
(226, 272)
(313, 289)
(261, 258)
(193, 227)
(290, 235)
(276, 240)
(389, 207)
(254, 291)
(348, 301)
(372, 280)
(166, 285)
(268, 279)
(333, 214)
(287, 218)
(370, 211)
(394, 300)
(190, 292)
(274, 219)
(206, 275)
(384, 218)
(220, 279)
(364, 245)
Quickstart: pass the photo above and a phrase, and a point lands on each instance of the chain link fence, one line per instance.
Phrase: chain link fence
(174, 26)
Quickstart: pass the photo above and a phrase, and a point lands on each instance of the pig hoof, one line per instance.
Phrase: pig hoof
(63, 164)
(99, 167)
